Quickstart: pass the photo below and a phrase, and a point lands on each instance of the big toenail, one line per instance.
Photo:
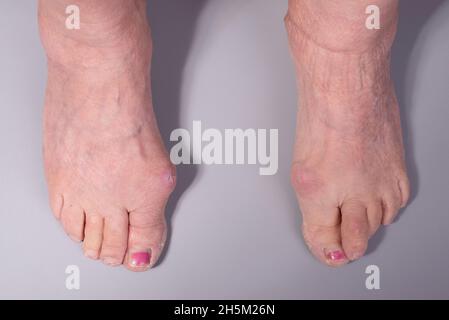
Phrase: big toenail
(336, 255)
(140, 259)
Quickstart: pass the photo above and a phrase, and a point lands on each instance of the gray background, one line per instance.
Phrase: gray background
(234, 234)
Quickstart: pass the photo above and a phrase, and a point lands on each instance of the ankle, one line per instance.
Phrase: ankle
(119, 35)
(341, 26)
(334, 70)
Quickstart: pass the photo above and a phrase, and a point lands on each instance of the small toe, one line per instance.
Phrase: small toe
(93, 236)
(404, 188)
(375, 216)
(355, 229)
(115, 236)
(56, 204)
(391, 204)
(72, 219)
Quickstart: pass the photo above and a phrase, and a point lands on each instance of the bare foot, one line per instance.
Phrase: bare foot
(348, 170)
(108, 173)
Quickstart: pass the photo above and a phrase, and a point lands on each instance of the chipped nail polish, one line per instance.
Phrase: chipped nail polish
(140, 259)
(336, 255)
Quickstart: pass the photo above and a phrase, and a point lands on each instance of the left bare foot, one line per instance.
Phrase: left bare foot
(348, 170)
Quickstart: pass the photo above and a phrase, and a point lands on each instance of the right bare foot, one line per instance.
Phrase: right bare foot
(108, 173)
(348, 170)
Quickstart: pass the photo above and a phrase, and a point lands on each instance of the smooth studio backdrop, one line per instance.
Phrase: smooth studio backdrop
(234, 233)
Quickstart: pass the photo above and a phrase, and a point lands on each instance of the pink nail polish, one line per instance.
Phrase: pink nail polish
(140, 259)
(336, 255)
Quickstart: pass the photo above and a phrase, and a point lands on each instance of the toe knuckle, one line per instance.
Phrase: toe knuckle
(113, 247)
(146, 220)
(390, 211)
(149, 225)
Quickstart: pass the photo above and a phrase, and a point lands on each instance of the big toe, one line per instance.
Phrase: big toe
(147, 234)
(321, 231)
(325, 243)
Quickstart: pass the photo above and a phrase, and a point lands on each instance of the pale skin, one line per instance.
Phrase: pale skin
(109, 176)
(348, 170)
(108, 173)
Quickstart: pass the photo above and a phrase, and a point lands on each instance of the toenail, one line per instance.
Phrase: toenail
(74, 238)
(336, 255)
(91, 254)
(110, 262)
(140, 259)
(356, 256)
